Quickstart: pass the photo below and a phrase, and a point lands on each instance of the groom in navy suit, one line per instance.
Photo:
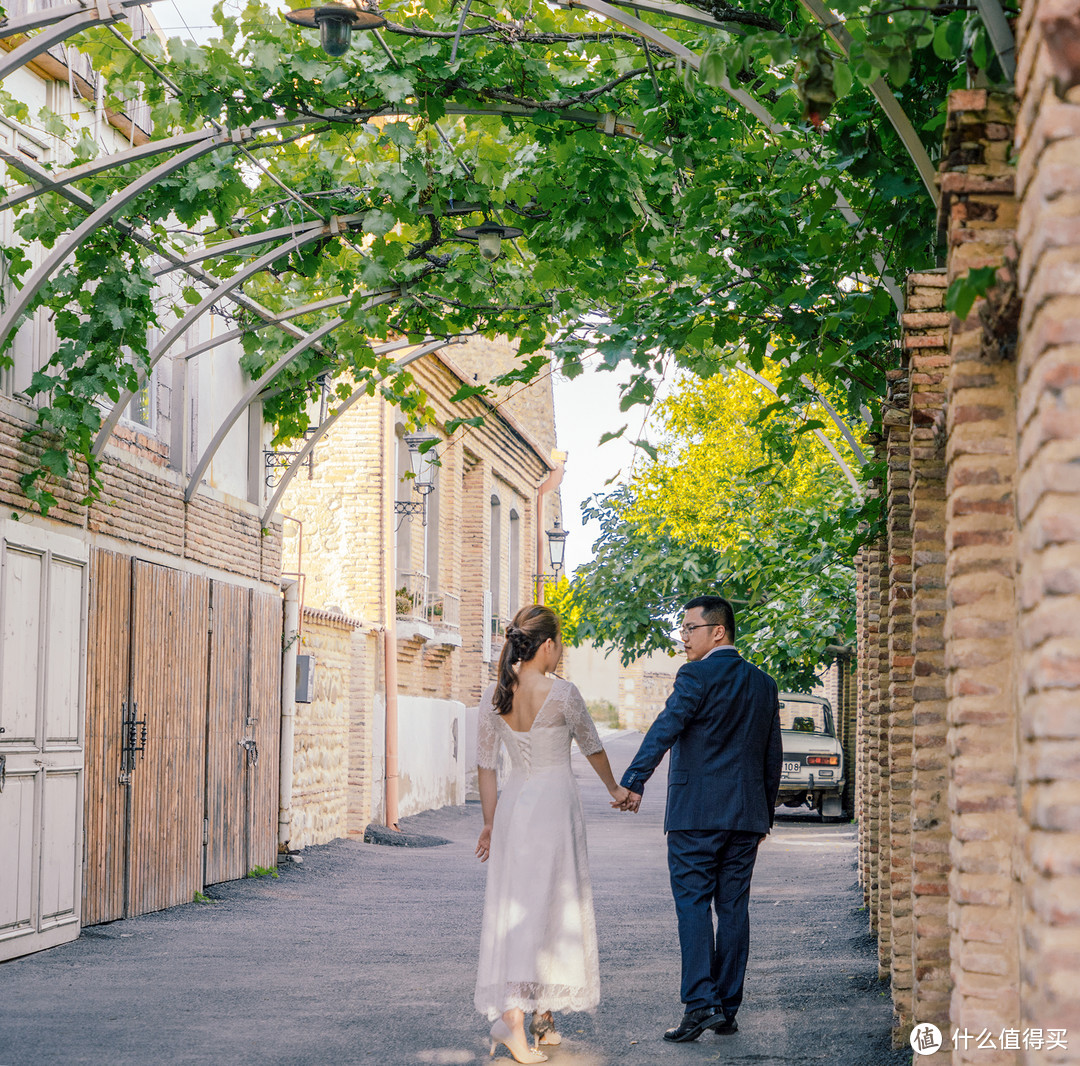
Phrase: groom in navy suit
(722, 726)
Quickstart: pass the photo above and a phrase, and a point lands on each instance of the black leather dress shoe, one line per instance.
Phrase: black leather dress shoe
(727, 1026)
(694, 1023)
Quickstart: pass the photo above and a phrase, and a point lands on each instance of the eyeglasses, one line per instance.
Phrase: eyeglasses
(702, 625)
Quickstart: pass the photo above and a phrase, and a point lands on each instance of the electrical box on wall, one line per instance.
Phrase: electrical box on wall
(305, 678)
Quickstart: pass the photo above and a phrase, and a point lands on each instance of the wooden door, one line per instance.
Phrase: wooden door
(242, 732)
(166, 736)
(265, 727)
(226, 755)
(108, 690)
(43, 611)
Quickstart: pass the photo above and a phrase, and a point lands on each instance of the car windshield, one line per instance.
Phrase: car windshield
(804, 717)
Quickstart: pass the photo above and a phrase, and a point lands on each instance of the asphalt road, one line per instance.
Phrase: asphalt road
(367, 954)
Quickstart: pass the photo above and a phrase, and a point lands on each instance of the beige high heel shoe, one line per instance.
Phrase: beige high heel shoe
(501, 1034)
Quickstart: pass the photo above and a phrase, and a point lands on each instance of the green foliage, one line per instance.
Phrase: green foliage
(262, 871)
(703, 232)
(968, 288)
(754, 511)
(603, 712)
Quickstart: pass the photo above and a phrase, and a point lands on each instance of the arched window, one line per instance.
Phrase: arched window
(495, 581)
(515, 562)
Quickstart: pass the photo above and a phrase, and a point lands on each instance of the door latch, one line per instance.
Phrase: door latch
(252, 750)
(133, 739)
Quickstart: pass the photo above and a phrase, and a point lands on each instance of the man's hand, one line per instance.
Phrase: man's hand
(631, 803)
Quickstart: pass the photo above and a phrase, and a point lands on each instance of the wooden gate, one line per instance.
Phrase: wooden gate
(242, 732)
(43, 585)
(183, 715)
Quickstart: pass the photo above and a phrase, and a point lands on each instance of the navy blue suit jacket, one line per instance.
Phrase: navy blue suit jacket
(722, 725)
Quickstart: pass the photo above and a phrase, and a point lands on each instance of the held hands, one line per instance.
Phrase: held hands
(483, 845)
(622, 799)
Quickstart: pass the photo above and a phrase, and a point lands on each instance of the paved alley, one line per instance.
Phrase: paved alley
(366, 954)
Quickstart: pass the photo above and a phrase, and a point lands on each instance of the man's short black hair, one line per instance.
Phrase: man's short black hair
(716, 611)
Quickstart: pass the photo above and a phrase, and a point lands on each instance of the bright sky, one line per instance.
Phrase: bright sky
(585, 408)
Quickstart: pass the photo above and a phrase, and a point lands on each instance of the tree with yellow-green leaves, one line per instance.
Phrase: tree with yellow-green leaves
(742, 498)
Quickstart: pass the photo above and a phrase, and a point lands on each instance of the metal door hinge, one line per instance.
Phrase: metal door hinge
(3, 772)
(205, 831)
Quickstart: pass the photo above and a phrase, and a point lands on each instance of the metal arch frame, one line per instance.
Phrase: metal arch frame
(1000, 34)
(314, 231)
(278, 320)
(268, 317)
(605, 122)
(830, 447)
(309, 446)
(57, 26)
(845, 431)
(834, 27)
(50, 16)
(669, 44)
(238, 244)
(252, 391)
(76, 236)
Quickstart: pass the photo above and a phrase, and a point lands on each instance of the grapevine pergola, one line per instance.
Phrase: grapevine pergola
(678, 205)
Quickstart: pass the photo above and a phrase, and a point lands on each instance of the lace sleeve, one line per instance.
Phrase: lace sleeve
(487, 737)
(581, 723)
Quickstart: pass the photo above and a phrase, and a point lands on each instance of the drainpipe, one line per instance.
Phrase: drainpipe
(390, 765)
(551, 482)
(288, 711)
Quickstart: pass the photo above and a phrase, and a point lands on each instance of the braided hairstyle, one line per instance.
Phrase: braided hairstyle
(531, 626)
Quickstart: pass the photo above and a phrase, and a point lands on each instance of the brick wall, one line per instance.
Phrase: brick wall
(142, 504)
(926, 348)
(1048, 505)
(977, 215)
(344, 509)
(321, 732)
(895, 824)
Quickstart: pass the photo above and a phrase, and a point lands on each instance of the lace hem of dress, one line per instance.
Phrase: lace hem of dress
(532, 996)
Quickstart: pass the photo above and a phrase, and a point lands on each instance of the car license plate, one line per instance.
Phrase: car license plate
(792, 767)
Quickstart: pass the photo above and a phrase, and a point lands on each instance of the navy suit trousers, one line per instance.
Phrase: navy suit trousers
(710, 875)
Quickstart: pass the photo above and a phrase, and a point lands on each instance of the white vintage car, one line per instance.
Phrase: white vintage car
(813, 772)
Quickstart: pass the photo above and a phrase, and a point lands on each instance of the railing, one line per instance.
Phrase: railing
(411, 595)
(444, 609)
(417, 601)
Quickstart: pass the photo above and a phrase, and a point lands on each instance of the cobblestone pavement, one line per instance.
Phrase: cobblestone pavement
(366, 954)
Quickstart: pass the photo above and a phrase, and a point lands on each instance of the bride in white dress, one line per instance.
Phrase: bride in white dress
(538, 942)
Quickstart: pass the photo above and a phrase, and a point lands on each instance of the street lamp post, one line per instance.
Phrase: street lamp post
(422, 462)
(489, 236)
(557, 547)
(335, 23)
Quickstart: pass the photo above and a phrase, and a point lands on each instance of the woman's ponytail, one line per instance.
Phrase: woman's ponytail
(531, 627)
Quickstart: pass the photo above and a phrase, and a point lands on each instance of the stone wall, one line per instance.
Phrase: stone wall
(347, 539)
(142, 504)
(969, 805)
(927, 355)
(1048, 508)
(978, 216)
(321, 750)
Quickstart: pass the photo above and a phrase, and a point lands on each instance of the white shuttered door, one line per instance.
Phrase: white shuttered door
(43, 605)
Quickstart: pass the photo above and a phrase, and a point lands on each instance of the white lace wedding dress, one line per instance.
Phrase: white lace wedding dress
(538, 941)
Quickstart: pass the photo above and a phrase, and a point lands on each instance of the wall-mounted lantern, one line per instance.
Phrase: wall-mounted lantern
(489, 236)
(422, 462)
(335, 23)
(557, 547)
